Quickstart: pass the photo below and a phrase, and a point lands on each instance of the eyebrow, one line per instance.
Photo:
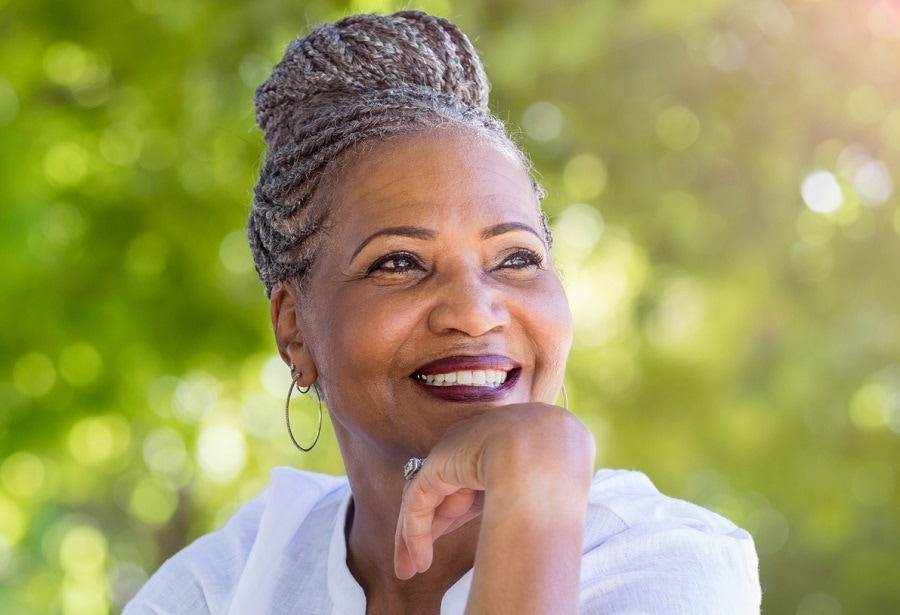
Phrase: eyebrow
(415, 232)
(508, 227)
(418, 232)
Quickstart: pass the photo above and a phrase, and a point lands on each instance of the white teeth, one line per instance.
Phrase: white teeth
(478, 377)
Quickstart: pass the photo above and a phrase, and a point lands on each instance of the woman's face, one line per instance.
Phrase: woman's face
(435, 296)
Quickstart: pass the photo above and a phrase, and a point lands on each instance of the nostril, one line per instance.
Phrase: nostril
(470, 307)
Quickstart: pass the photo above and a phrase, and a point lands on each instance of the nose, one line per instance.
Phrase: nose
(469, 301)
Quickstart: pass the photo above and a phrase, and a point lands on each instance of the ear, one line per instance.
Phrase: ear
(288, 337)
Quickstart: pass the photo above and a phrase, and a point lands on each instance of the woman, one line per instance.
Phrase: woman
(400, 239)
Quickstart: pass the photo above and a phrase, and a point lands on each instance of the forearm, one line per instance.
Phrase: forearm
(529, 551)
(526, 469)
(529, 557)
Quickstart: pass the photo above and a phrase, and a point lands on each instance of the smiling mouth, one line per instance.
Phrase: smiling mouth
(472, 378)
(468, 379)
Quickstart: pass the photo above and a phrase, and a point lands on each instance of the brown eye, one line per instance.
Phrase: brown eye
(522, 259)
(395, 263)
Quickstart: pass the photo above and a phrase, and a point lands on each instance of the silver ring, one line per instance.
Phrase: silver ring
(412, 467)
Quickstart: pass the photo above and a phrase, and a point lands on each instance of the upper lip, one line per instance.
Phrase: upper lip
(467, 363)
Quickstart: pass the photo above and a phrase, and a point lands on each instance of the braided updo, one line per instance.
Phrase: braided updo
(363, 78)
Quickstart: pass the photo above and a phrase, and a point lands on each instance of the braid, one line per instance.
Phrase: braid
(363, 78)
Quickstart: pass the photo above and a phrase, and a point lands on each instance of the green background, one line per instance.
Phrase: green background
(721, 176)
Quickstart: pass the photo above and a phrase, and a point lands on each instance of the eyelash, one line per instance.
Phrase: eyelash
(379, 265)
(531, 260)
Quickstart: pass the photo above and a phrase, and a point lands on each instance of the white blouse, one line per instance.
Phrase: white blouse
(285, 553)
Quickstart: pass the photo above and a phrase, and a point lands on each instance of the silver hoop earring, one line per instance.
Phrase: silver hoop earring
(565, 397)
(287, 412)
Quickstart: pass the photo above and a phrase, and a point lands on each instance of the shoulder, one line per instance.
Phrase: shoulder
(202, 577)
(633, 501)
(647, 552)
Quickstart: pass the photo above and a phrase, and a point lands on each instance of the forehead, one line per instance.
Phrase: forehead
(431, 178)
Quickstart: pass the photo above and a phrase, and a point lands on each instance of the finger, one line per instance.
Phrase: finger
(404, 567)
(413, 540)
(416, 522)
(426, 517)
(430, 508)
(456, 510)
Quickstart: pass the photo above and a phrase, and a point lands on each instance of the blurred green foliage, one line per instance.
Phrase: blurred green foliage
(721, 175)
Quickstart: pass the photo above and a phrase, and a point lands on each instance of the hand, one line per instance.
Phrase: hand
(521, 452)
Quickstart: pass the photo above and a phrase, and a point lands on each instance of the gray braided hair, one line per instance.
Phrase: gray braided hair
(364, 78)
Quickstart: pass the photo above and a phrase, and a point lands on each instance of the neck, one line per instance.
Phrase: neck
(371, 525)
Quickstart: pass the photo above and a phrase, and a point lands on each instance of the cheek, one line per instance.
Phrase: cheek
(549, 326)
(365, 334)
(555, 317)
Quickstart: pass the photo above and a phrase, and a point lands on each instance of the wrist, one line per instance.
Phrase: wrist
(554, 454)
